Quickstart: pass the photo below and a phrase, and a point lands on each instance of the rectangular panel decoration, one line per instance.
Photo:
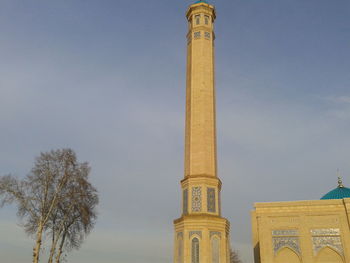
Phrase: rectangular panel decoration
(196, 199)
(185, 202)
(211, 200)
(326, 237)
(286, 238)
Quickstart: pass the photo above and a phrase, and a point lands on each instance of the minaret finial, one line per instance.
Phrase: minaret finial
(340, 181)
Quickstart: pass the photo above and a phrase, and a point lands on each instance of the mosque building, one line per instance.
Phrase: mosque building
(316, 231)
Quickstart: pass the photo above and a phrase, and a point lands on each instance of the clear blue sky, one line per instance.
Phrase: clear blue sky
(107, 78)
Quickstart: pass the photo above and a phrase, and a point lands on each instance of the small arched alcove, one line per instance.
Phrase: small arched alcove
(195, 250)
(287, 255)
(215, 249)
(180, 248)
(328, 255)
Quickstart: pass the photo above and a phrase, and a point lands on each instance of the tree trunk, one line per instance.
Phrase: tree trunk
(37, 247)
(60, 250)
(53, 249)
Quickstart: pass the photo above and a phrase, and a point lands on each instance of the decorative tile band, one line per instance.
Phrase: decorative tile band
(286, 232)
(325, 232)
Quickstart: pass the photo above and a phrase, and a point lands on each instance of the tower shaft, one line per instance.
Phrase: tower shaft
(201, 234)
(200, 132)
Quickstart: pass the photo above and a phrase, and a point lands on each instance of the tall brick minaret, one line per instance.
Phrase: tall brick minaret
(201, 234)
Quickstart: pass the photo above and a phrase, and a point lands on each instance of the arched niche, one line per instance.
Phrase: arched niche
(180, 249)
(328, 255)
(195, 250)
(287, 255)
(215, 249)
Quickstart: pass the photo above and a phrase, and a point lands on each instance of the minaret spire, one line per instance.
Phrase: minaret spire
(201, 234)
(200, 135)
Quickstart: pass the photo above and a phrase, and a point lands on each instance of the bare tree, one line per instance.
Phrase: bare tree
(75, 215)
(234, 257)
(48, 196)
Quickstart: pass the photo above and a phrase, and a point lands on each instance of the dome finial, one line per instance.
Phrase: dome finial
(340, 192)
(340, 181)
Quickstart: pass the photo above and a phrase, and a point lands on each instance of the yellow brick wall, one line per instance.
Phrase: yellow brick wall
(320, 227)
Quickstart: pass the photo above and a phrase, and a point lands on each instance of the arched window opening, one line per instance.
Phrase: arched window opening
(206, 20)
(286, 255)
(180, 250)
(190, 24)
(329, 255)
(195, 250)
(198, 18)
(215, 250)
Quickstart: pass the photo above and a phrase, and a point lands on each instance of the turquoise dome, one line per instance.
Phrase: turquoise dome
(338, 193)
(201, 1)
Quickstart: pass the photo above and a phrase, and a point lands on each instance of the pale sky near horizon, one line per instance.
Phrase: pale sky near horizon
(107, 79)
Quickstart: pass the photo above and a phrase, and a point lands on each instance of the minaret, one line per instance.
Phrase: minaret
(201, 234)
